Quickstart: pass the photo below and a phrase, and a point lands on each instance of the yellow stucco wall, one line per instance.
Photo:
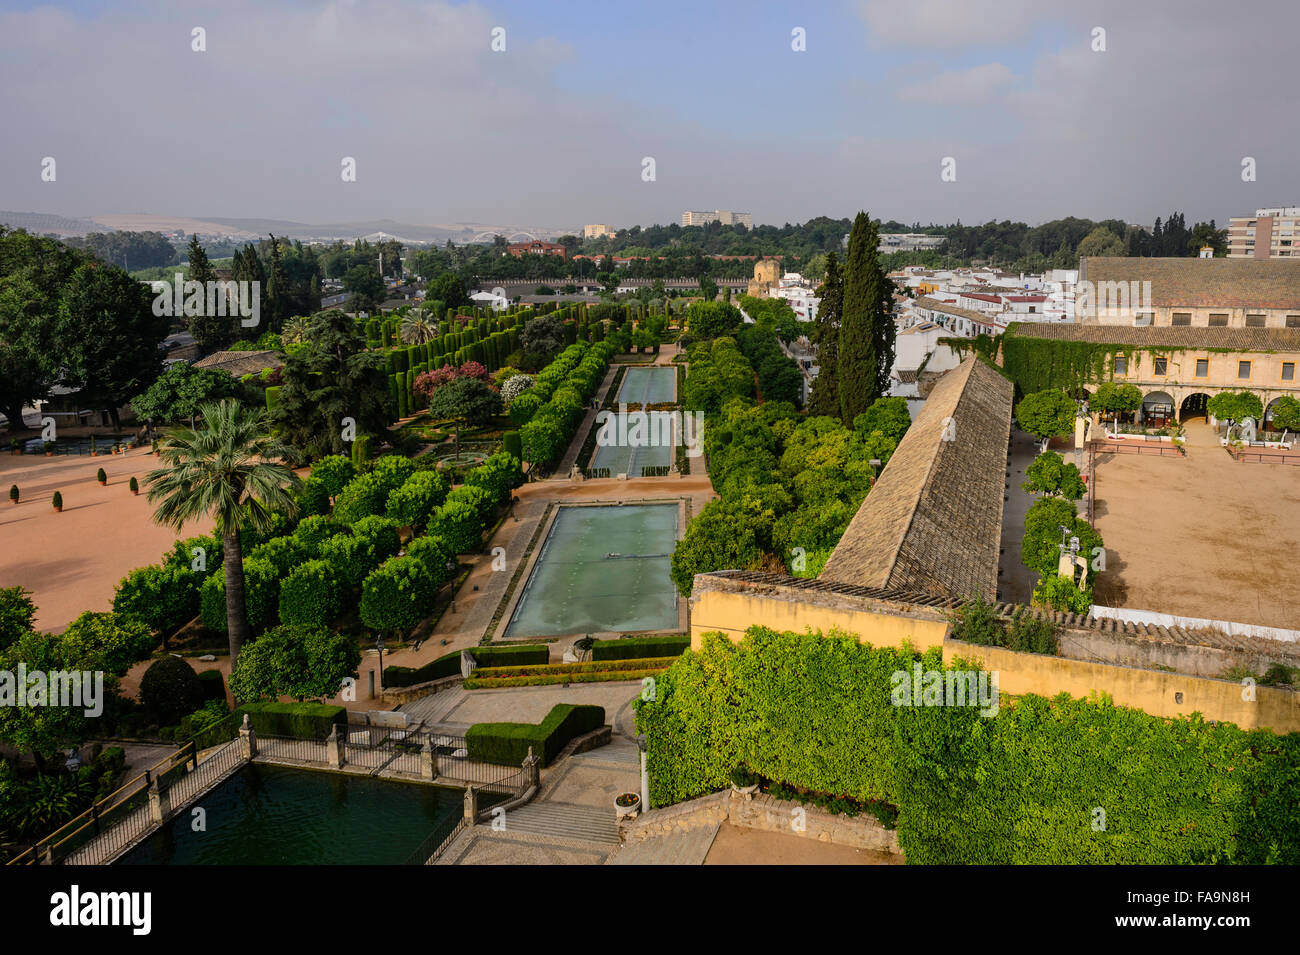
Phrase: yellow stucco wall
(1152, 691)
(734, 613)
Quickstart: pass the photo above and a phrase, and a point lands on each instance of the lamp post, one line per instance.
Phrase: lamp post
(379, 645)
(645, 774)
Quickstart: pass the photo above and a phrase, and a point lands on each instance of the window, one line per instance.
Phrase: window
(1162, 366)
(1218, 319)
(1288, 371)
(1255, 321)
(1182, 318)
(1243, 369)
(1202, 367)
(1121, 365)
(1293, 321)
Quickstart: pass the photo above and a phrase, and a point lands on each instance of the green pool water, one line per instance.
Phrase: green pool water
(602, 569)
(276, 815)
(649, 385)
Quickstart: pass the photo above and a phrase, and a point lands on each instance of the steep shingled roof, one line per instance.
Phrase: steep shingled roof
(1203, 283)
(240, 363)
(933, 521)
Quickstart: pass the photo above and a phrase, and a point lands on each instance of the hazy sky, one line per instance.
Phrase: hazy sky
(553, 131)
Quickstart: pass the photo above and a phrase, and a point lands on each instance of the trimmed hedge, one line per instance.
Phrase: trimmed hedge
(214, 685)
(546, 669)
(633, 648)
(299, 720)
(444, 666)
(505, 656)
(558, 673)
(1017, 787)
(507, 744)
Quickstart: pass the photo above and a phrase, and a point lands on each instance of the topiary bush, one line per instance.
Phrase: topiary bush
(309, 596)
(379, 534)
(313, 531)
(282, 553)
(397, 595)
(459, 525)
(412, 504)
(261, 593)
(507, 744)
(170, 689)
(435, 554)
(164, 598)
(334, 472)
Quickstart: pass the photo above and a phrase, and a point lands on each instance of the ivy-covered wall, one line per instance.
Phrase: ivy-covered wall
(1044, 781)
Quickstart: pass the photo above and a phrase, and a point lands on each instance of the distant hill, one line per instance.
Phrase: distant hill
(346, 230)
(40, 223)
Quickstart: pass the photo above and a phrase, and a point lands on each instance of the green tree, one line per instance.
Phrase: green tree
(1101, 241)
(1061, 593)
(108, 337)
(118, 641)
(1112, 398)
(711, 319)
(866, 341)
(825, 397)
(366, 286)
(708, 288)
(728, 534)
(398, 595)
(181, 390)
(1049, 474)
(1286, 414)
(17, 614)
(467, 401)
(331, 378)
(886, 415)
(449, 289)
(1040, 548)
(1235, 407)
(227, 470)
(1047, 414)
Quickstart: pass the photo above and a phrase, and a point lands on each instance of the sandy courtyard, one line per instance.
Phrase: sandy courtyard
(72, 561)
(1200, 536)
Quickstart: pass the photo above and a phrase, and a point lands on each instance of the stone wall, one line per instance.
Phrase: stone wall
(767, 814)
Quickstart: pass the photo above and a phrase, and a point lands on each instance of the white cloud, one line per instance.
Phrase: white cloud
(959, 87)
(949, 24)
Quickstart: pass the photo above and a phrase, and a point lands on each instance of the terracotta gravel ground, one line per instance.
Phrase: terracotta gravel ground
(736, 846)
(72, 561)
(1200, 536)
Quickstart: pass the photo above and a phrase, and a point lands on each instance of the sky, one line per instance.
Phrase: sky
(555, 129)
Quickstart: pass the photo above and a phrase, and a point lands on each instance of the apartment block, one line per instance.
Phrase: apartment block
(1268, 234)
(725, 216)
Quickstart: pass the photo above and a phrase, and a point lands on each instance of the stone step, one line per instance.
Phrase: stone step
(681, 847)
(565, 821)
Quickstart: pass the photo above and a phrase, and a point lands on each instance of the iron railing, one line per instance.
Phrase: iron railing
(435, 844)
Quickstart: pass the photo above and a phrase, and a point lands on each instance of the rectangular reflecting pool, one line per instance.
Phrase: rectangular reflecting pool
(602, 569)
(649, 385)
(277, 815)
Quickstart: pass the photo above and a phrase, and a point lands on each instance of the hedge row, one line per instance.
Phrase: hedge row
(547, 669)
(565, 386)
(637, 647)
(1061, 781)
(507, 744)
(449, 664)
(521, 655)
(640, 672)
(298, 720)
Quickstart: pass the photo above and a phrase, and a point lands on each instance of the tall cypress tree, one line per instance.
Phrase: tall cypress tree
(866, 341)
(825, 398)
(211, 332)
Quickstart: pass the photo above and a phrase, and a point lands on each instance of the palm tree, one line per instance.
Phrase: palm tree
(227, 469)
(417, 327)
(294, 331)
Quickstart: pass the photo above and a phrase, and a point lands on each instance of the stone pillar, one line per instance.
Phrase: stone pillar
(532, 770)
(44, 855)
(428, 761)
(334, 749)
(471, 806)
(159, 803)
(248, 739)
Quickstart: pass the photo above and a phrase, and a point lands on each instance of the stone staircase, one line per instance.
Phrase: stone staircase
(565, 821)
(680, 847)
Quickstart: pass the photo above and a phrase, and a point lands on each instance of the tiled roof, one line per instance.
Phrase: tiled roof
(933, 521)
(240, 363)
(1204, 283)
(1169, 336)
(933, 303)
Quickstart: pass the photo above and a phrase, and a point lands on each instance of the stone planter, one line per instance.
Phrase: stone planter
(746, 791)
(58, 509)
(629, 811)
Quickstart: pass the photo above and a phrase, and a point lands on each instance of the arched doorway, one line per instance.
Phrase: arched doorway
(1157, 409)
(1193, 406)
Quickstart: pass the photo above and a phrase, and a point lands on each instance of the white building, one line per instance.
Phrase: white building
(725, 216)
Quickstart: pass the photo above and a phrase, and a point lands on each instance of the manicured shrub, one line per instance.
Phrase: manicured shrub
(397, 595)
(483, 502)
(379, 534)
(133, 485)
(313, 498)
(498, 475)
(313, 531)
(13, 493)
(459, 525)
(170, 689)
(309, 596)
(114, 641)
(394, 468)
(365, 496)
(412, 504)
(524, 406)
(261, 593)
(213, 683)
(632, 648)
(349, 557)
(57, 500)
(282, 553)
(507, 744)
(445, 666)
(505, 656)
(434, 553)
(164, 597)
(511, 444)
(335, 472)
(298, 720)
(100, 476)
